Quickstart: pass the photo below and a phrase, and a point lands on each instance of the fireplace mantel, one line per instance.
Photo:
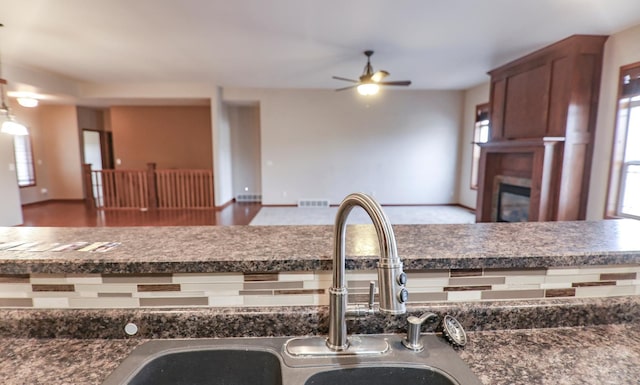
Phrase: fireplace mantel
(534, 159)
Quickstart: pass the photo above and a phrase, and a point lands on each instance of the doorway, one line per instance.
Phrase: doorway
(97, 151)
(92, 150)
(244, 124)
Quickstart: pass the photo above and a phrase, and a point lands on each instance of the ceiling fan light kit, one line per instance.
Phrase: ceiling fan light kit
(369, 82)
(367, 89)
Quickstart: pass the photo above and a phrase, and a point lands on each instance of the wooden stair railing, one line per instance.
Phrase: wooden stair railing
(148, 189)
(188, 189)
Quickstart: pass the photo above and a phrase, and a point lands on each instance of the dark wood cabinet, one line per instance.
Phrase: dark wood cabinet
(525, 105)
(543, 107)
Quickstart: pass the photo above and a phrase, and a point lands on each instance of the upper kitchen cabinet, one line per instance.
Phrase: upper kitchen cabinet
(548, 93)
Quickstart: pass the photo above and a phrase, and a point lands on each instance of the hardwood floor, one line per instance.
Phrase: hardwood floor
(75, 214)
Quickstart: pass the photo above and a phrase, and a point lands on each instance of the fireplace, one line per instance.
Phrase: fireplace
(524, 163)
(512, 199)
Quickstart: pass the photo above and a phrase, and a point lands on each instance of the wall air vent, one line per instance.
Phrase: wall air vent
(315, 203)
(249, 198)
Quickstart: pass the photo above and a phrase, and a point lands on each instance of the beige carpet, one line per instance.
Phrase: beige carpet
(399, 215)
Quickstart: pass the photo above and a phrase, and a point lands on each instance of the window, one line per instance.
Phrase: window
(480, 135)
(624, 192)
(24, 160)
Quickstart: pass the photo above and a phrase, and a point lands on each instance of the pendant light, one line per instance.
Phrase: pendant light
(9, 124)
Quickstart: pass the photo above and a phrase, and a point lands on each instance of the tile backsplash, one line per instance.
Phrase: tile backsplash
(101, 291)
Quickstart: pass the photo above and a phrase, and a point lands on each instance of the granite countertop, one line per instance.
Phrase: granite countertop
(296, 248)
(595, 355)
(591, 355)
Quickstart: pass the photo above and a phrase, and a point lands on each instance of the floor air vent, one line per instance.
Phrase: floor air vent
(249, 198)
(313, 203)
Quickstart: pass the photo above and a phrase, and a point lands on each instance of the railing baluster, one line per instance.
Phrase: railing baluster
(160, 184)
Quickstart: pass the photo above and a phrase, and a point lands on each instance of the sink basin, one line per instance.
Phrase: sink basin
(211, 367)
(240, 361)
(381, 376)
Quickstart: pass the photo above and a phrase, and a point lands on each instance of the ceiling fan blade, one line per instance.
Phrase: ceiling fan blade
(379, 76)
(347, 88)
(396, 83)
(345, 79)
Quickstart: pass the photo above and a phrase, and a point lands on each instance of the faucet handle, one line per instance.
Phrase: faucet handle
(372, 293)
(412, 341)
(359, 310)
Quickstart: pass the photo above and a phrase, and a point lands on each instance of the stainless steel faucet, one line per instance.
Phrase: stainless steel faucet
(391, 282)
(391, 278)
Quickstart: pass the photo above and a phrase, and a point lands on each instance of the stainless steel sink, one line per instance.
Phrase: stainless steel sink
(240, 361)
(391, 375)
(201, 367)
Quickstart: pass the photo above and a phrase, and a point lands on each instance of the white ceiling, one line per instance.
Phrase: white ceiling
(438, 44)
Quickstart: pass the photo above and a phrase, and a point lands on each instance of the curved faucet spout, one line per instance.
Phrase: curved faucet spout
(391, 278)
(386, 237)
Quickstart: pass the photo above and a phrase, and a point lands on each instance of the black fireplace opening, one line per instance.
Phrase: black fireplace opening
(513, 203)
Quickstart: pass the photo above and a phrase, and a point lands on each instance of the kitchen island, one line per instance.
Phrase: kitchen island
(568, 356)
(543, 301)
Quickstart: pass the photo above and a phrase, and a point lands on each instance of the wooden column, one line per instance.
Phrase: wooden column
(89, 199)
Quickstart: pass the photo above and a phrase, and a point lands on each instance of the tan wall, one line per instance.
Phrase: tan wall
(61, 156)
(400, 146)
(90, 119)
(172, 137)
(472, 97)
(620, 49)
(56, 152)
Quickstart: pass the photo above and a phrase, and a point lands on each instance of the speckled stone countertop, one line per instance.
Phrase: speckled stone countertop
(307, 320)
(592, 355)
(295, 248)
(563, 356)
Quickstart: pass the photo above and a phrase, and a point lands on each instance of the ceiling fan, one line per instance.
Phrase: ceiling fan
(370, 82)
